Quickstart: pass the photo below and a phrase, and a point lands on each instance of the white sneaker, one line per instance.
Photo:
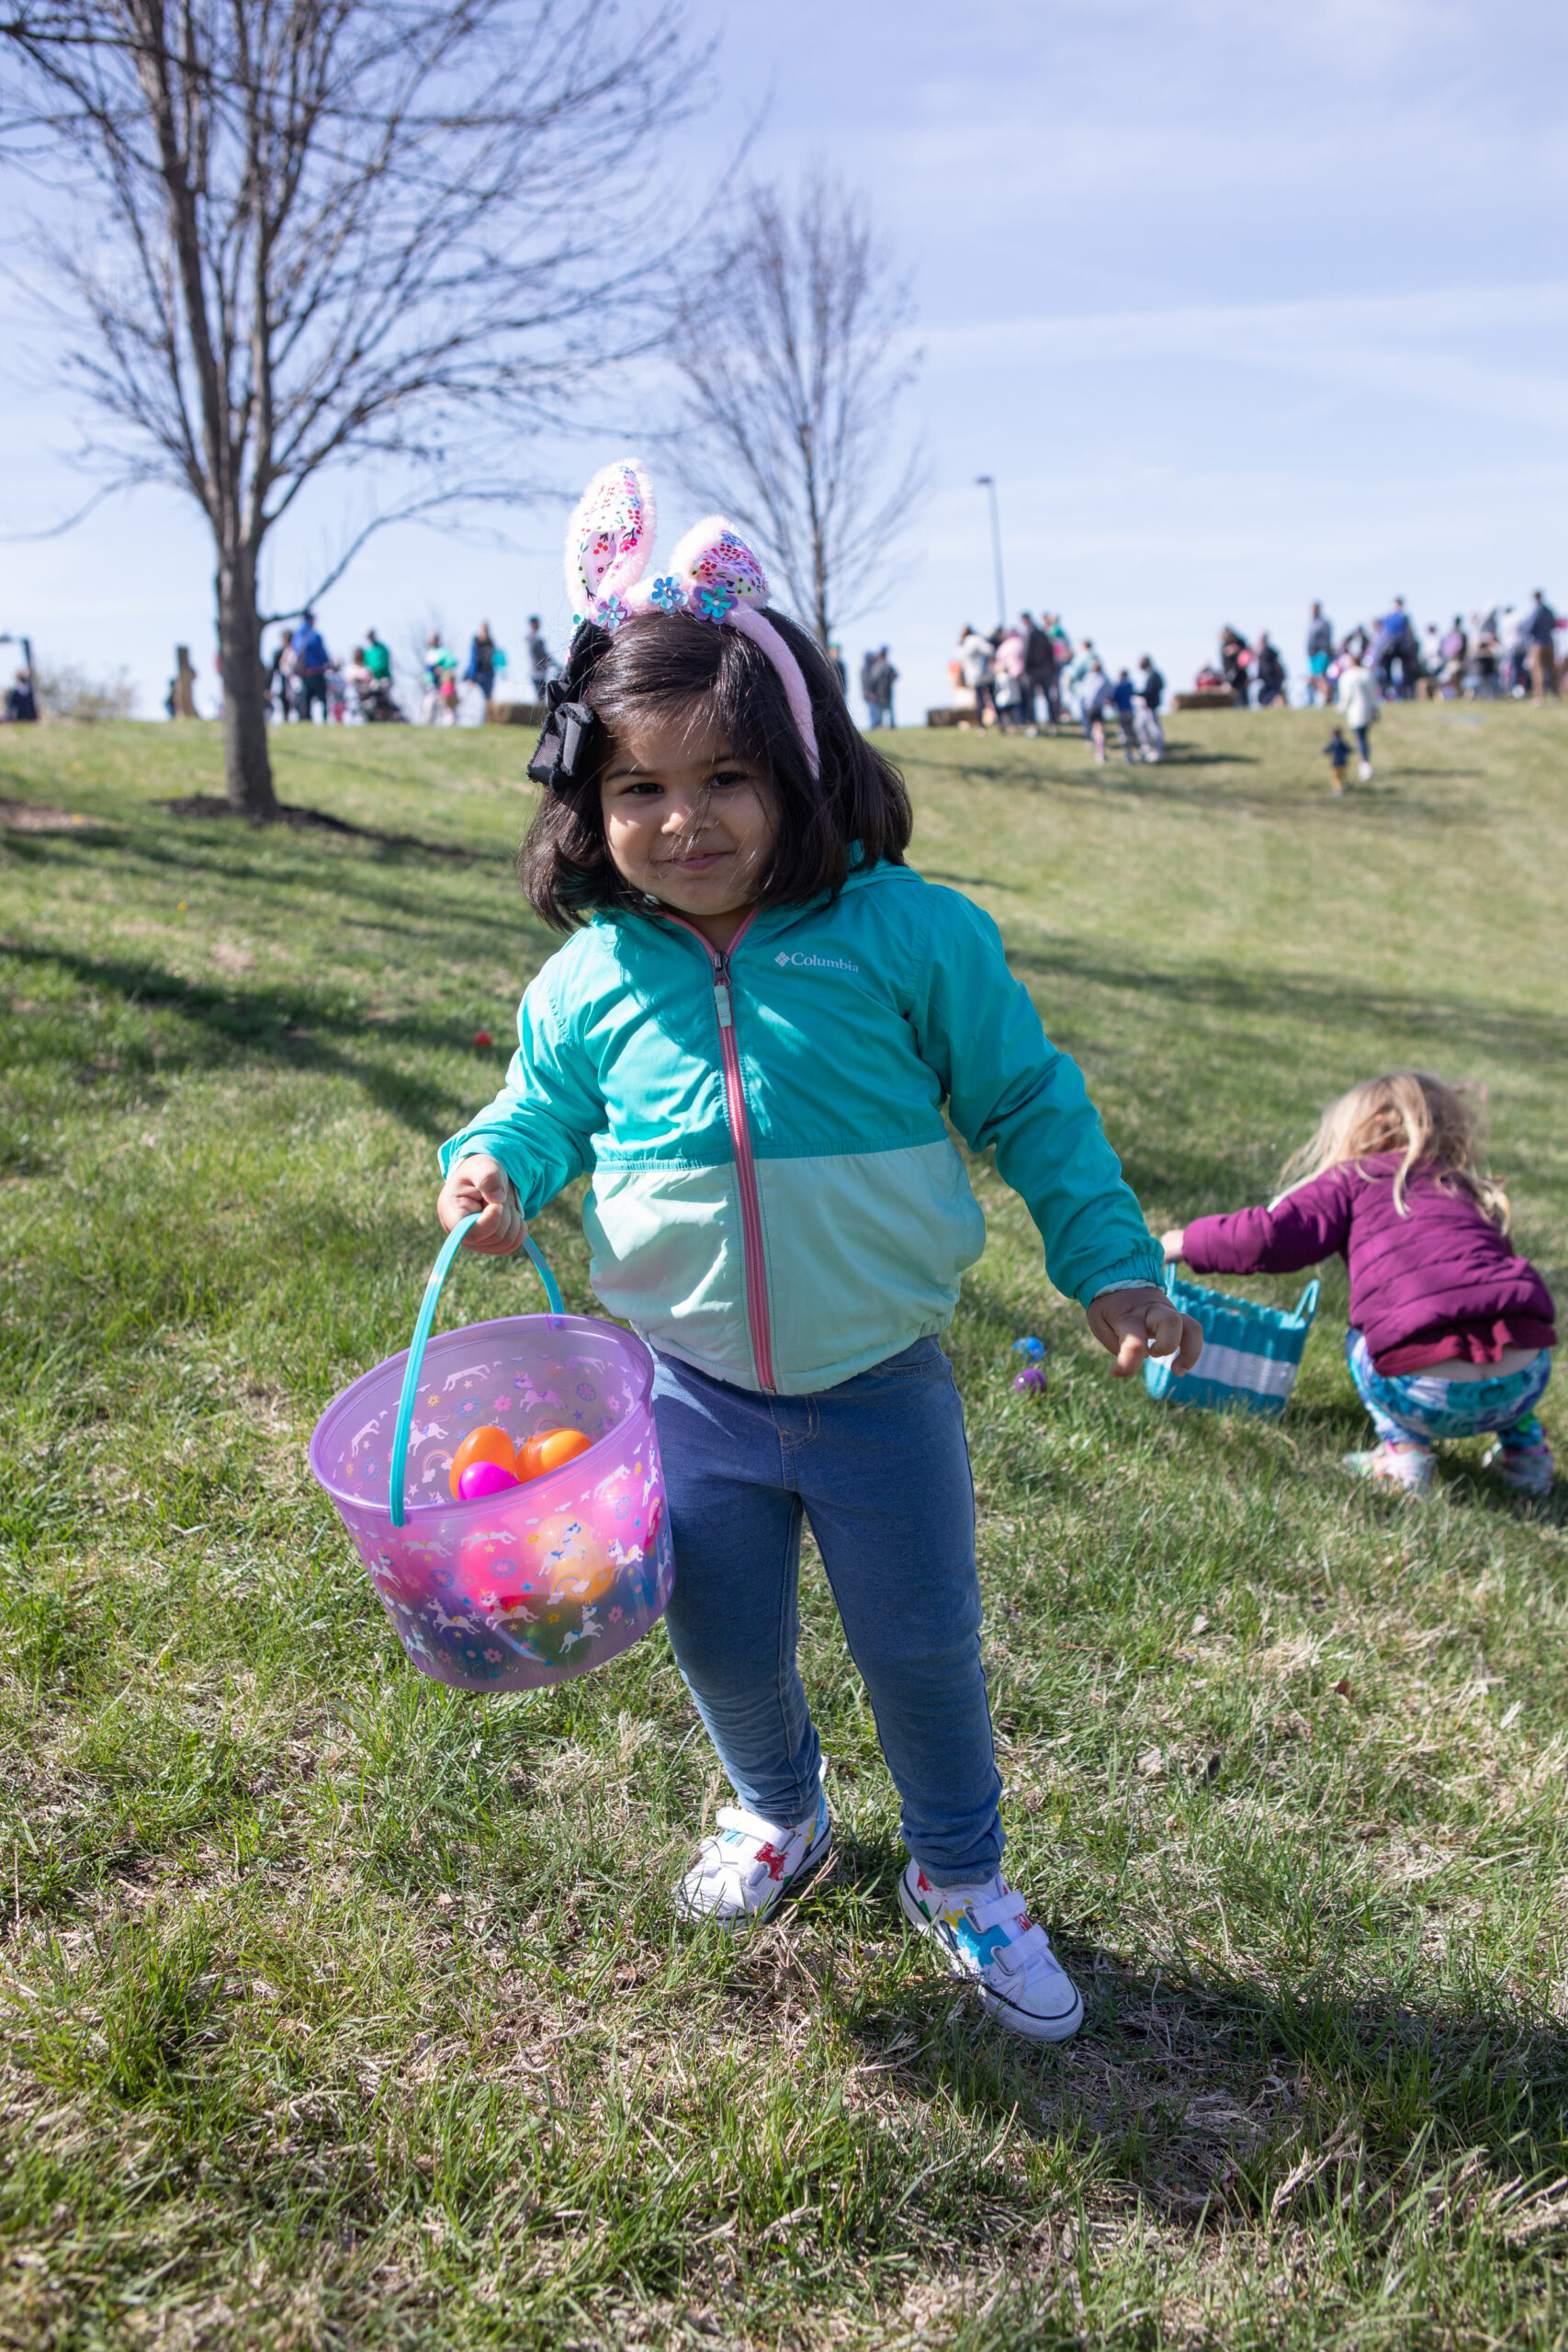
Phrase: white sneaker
(1366, 771)
(744, 1869)
(984, 1933)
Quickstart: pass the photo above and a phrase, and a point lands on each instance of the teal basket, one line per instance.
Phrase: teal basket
(1251, 1353)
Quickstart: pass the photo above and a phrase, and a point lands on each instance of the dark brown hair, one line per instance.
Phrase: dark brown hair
(671, 664)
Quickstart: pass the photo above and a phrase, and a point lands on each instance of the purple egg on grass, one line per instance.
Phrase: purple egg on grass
(1031, 1383)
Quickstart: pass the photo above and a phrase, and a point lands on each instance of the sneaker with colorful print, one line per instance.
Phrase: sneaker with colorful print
(749, 1865)
(1529, 1469)
(984, 1933)
(1408, 1467)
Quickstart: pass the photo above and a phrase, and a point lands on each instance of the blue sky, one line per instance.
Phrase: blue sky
(1240, 305)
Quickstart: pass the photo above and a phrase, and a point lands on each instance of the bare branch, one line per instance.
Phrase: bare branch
(304, 234)
(795, 360)
(57, 530)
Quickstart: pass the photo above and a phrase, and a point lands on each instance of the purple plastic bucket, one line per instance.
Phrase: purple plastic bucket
(544, 1580)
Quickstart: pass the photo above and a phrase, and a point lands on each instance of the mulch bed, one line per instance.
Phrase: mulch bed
(40, 817)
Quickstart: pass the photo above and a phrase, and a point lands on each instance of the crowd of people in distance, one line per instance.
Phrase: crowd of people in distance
(1509, 649)
(304, 678)
(1026, 675)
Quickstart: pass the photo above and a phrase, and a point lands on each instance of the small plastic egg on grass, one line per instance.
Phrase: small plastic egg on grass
(1031, 1382)
(549, 1450)
(486, 1443)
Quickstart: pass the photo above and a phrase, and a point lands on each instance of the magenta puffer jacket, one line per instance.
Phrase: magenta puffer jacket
(1438, 1284)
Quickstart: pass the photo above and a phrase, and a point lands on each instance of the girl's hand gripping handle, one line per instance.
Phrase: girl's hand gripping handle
(480, 1187)
(1139, 1322)
(457, 1234)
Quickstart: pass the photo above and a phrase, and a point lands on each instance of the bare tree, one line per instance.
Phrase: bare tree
(795, 358)
(322, 232)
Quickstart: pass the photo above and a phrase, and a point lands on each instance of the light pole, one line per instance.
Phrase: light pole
(987, 481)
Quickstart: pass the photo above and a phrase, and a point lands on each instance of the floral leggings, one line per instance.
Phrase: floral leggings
(1415, 1408)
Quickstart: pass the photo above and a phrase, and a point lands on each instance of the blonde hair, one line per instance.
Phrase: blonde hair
(1408, 1110)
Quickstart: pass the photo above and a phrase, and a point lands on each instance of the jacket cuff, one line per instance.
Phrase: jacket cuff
(1144, 1266)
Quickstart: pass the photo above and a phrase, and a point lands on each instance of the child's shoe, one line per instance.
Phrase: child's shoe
(1529, 1469)
(744, 1869)
(1409, 1467)
(1365, 770)
(984, 1933)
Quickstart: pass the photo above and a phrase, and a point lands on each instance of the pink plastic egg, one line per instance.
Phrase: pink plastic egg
(481, 1478)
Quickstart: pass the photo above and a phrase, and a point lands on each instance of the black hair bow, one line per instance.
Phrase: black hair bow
(568, 750)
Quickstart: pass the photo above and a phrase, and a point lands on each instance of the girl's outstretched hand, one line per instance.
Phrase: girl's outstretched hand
(1135, 1324)
(1171, 1243)
(481, 1184)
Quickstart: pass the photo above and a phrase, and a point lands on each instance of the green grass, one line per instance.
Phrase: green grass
(343, 2010)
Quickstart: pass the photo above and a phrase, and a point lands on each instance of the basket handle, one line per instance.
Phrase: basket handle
(1306, 1306)
(421, 1331)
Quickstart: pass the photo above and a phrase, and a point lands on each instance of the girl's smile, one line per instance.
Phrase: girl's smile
(688, 822)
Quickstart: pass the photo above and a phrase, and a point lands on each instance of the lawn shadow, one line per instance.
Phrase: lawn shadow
(235, 856)
(1330, 1005)
(1291, 799)
(1213, 2095)
(1463, 1481)
(970, 881)
(269, 1024)
(209, 807)
(1185, 781)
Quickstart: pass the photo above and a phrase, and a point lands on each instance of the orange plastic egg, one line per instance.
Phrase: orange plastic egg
(549, 1450)
(484, 1444)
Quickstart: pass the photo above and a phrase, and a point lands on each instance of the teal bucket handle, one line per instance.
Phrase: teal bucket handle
(417, 1345)
(1306, 1306)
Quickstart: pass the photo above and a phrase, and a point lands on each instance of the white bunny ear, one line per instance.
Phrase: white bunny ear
(608, 540)
(717, 568)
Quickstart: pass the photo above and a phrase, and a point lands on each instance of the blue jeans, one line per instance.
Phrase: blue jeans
(1414, 1407)
(880, 1467)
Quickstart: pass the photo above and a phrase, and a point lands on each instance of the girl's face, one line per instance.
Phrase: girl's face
(687, 821)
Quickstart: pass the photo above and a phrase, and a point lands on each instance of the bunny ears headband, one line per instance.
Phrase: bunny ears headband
(713, 574)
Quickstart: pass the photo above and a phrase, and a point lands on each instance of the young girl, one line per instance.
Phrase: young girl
(1451, 1334)
(749, 1038)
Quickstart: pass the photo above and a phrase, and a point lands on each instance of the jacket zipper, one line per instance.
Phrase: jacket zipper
(751, 1253)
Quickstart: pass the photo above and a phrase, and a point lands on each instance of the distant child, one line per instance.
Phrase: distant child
(1146, 711)
(1123, 694)
(748, 1038)
(1337, 752)
(1356, 693)
(1451, 1334)
(1095, 700)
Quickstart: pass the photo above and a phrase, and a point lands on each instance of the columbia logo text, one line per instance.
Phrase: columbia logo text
(803, 962)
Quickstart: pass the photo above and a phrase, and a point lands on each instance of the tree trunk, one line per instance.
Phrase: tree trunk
(247, 762)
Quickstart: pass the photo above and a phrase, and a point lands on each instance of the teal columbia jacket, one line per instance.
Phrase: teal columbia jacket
(776, 1198)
